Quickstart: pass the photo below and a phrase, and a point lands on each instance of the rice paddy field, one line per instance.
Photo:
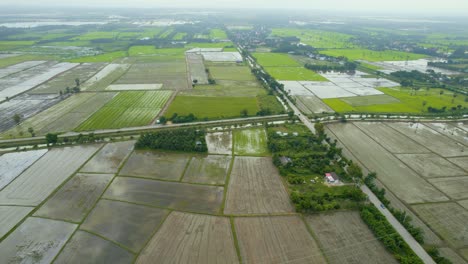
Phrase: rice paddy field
(370, 55)
(127, 109)
(423, 171)
(113, 203)
(317, 38)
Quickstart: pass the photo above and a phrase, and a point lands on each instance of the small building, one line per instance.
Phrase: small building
(285, 160)
(331, 177)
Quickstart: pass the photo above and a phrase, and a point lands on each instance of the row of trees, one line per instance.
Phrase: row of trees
(187, 139)
(347, 67)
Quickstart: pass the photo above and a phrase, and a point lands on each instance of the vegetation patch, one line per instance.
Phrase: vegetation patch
(371, 55)
(294, 74)
(106, 57)
(250, 142)
(188, 140)
(275, 60)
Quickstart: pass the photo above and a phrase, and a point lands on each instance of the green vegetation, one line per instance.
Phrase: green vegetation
(250, 142)
(106, 57)
(371, 55)
(4, 62)
(218, 34)
(317, 38)
(171, 53)
(235, 73)
(275, 60)
(294, 74)
(213, 107)
(303, 160)
(387, 235)
(209, 45)
(187, 140)
(410, 101)
(269, 105)
(97, 35)
(127, 109)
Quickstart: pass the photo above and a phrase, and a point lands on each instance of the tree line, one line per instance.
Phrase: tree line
(186, 139)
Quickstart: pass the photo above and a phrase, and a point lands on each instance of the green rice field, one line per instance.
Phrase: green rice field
(371, 55)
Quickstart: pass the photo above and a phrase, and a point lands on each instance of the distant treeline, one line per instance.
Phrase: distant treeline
(188, 140)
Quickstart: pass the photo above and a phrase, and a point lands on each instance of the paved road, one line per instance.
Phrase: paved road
(414, 245)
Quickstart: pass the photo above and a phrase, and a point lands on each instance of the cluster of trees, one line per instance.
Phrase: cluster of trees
(347, 67)
(74, 89)
(388, 236)
(187, 139)
(176, 118)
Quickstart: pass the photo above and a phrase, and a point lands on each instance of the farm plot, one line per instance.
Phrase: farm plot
(250, 142)
(219, 143)
(133, 87)
(109, 158)
(36, 240)
(24, 75)
(431, 165)
(324, 90)
(295, 88)
(390, 139)
(94, 249)
(431, 139)
(294, 74)
(446, 219)
(211, 169)
(277, 239)
(13, 164)
(64, 116)
(82, 72)
(222, 56)
(227, 88)
(195, 238)
(451, 131)
(255, 187)
(25, 106)
(462, 162)
(231, 72)
(212, 107)
(408, 65)
(10, 216)
(19, 67)
(400, 179)
(173, 195)
(38, 181)
(371, 100)
(310, 104)
(454, 187)
(74, 200)
(127, 109)
(345, 238)
(19, 84)
(172, 75)
(132, 228)
(155, 165)
(196, 68)
(371, 55)
(105, 77)
(275, 60)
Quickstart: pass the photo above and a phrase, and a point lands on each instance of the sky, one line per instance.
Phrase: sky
(420, 6)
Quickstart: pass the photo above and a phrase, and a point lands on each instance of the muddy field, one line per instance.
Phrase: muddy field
(43, 177)
(101, 80)
(74, 200)
(19, 67)
(179, 196)
(13, 164)
(25, 106)
(93, 247)
(36, 240)
(67, 79)
(391, 171)
(255, 187)
(312, 105)
(345, 238)
(455, 187)
(431, 165)
(211, 169)
(219, 143)
(155, 165)
(133, 227)
(280, 239)
(194, 239)
(10, 216)
(109, 158)
(196, 68)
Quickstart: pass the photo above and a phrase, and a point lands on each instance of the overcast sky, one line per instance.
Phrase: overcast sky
(432, 6)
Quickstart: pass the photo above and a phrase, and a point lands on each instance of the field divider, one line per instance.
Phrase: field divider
(156, 229)
(105, 238)
(226, 184)
(171, 181)
(314, 237)
(186, 168)
(236, 241)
